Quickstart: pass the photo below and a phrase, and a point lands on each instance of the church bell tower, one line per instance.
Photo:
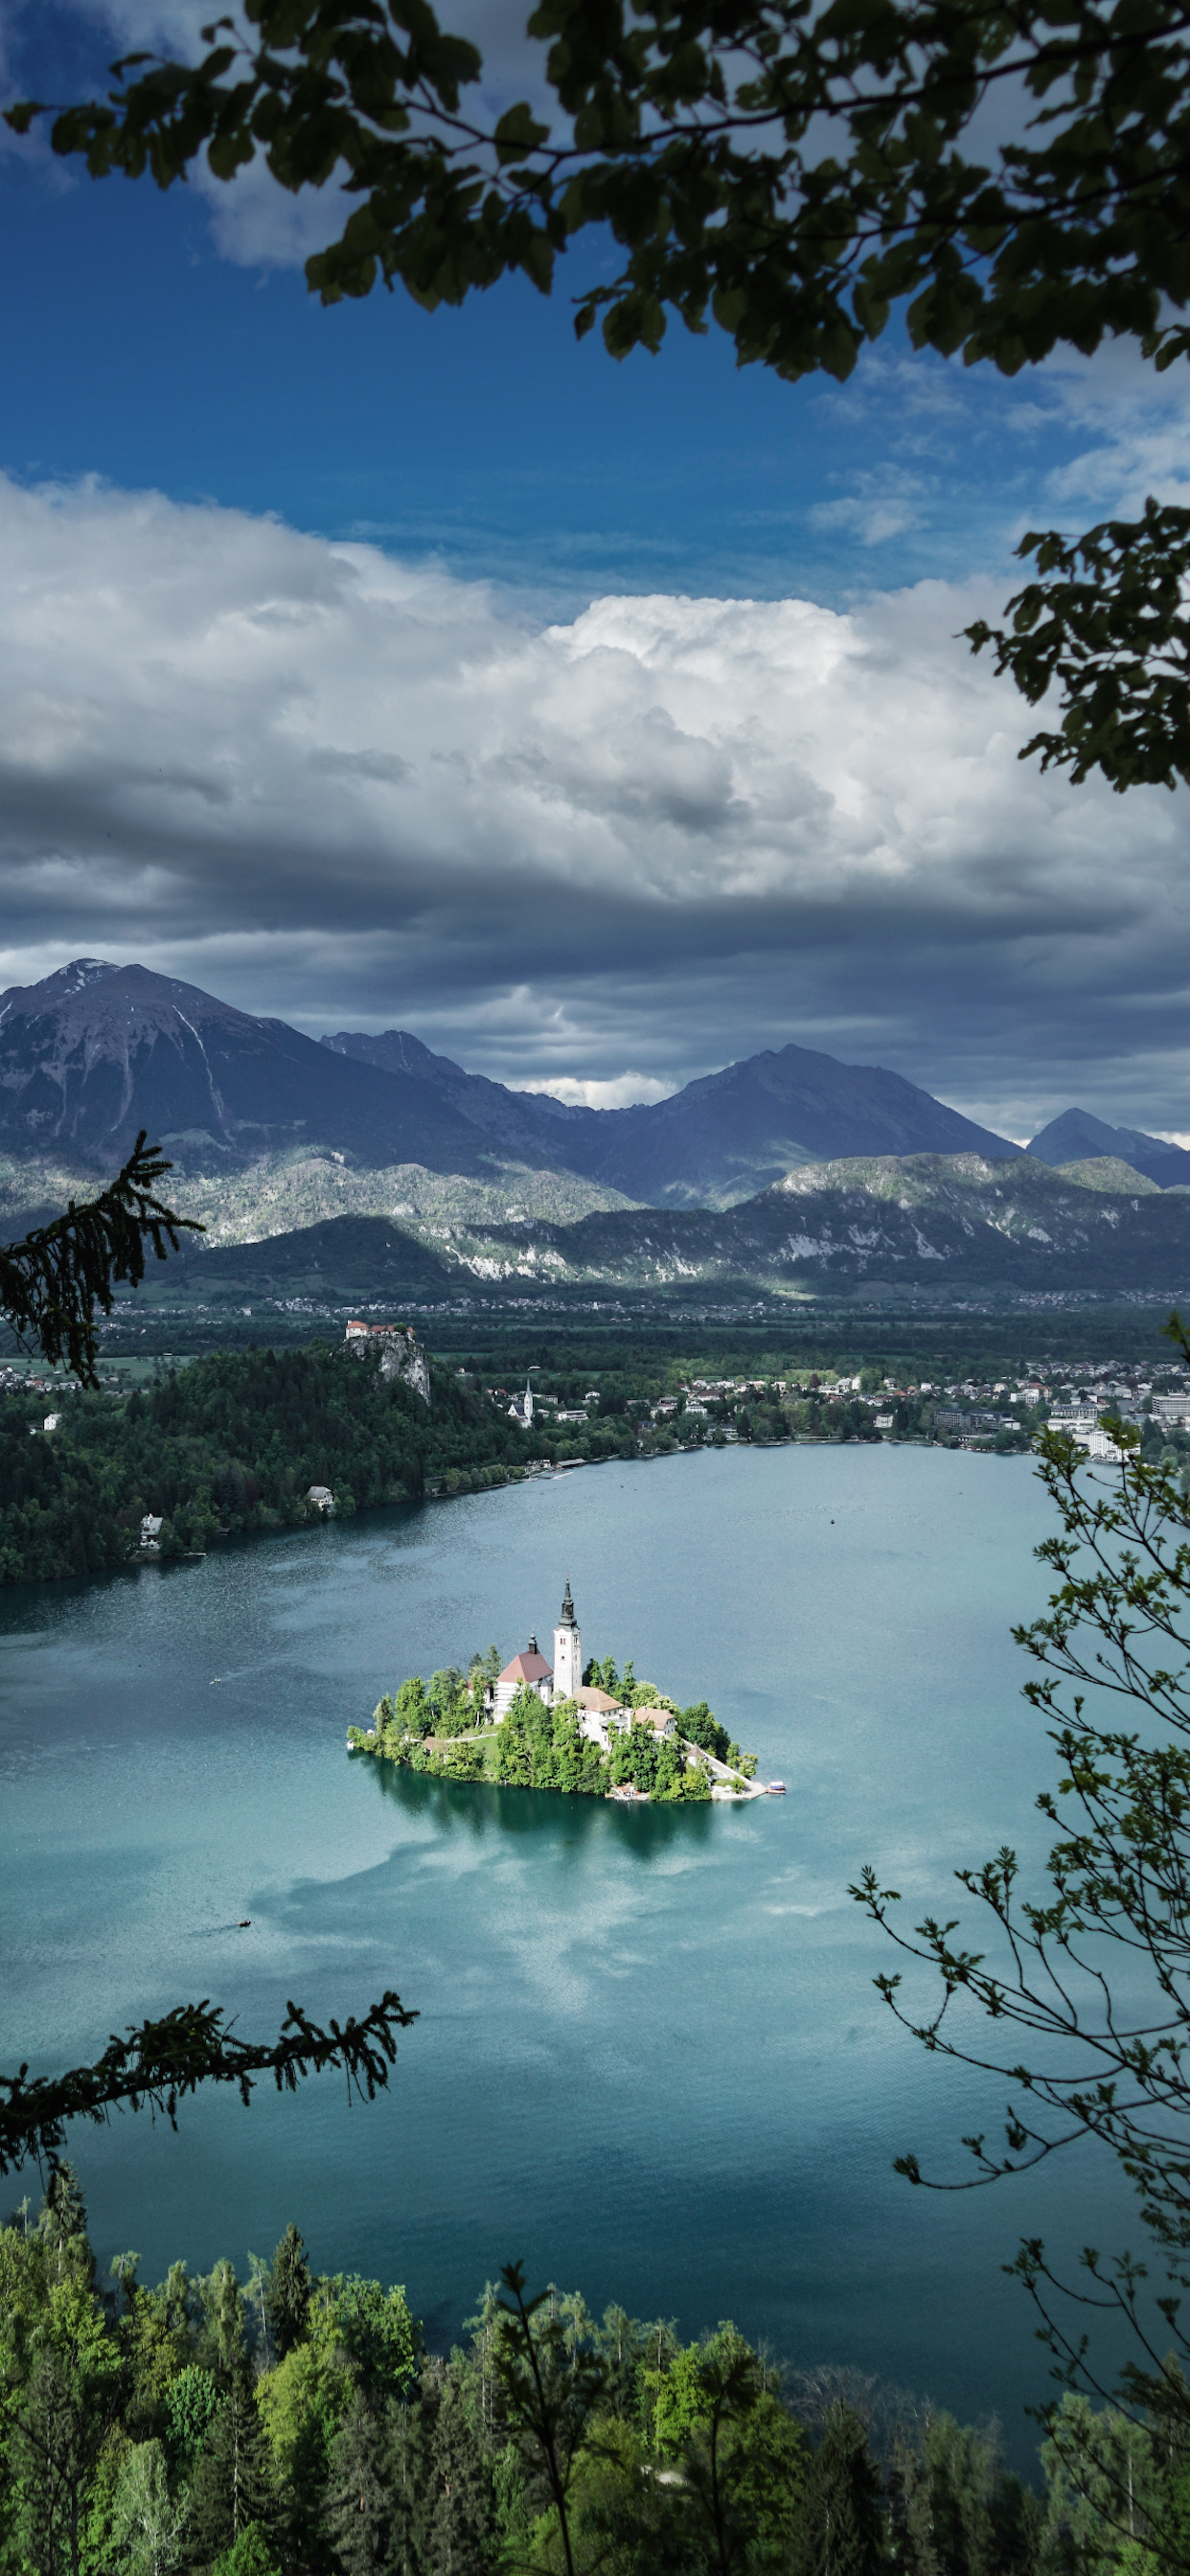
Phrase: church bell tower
(568, 1651)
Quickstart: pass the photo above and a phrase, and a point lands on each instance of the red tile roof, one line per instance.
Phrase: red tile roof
(527, 1668)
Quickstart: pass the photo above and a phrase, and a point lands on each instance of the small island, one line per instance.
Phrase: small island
(588, 1730)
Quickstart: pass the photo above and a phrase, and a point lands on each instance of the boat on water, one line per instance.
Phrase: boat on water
(776, 1788)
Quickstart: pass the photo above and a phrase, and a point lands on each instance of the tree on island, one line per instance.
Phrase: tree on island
(793, 176)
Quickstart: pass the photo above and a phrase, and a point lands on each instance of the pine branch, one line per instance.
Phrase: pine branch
(51, 1283)
(162, 2061)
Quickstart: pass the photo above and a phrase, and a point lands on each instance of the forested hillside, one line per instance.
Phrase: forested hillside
(229, 1444)
(945, 1224)
(293, 2423)
(921, 1220)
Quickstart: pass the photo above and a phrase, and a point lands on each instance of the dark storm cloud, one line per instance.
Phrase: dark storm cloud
(332, 788)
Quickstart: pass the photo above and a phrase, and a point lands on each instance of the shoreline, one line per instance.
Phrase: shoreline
(138, 1563)
(361, 1742)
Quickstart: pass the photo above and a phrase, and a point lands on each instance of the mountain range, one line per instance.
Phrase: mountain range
(930, 1225)
(97, 1051)
(786, 1169)
(717, 1141)
(1077, 1137)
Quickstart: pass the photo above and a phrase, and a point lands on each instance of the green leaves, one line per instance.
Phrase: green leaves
(694, 136)
(518, 134)
(162, 2061)
(551, 2386)
(1106, 621)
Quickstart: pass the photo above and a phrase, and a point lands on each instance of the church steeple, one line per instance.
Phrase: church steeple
(568, 1651)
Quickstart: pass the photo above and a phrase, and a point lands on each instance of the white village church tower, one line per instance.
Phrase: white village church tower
(568, 1651)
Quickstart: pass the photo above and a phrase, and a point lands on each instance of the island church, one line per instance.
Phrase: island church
(601, 1716)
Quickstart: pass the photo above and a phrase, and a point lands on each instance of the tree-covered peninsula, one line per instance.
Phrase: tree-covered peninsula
(230, 1444)
(657, 1750)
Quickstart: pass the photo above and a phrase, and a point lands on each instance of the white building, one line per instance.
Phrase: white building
(1099, 1444)
(600, 1716)
(532, 1670)
(521, 1408)
(568, 1651)
(563, 1679)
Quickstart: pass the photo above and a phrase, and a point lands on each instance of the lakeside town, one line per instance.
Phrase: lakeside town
(1003, 1413)
(165, 1462)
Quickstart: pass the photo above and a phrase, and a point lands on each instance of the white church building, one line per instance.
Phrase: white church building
(600, 1716)
(563, 1679)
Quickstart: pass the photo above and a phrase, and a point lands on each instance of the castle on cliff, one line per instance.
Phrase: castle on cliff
(401, 1353)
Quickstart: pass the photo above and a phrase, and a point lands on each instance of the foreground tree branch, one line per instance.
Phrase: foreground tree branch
(52, 1282)
(1081, 2003)
(1107, 621)
(161, 2062)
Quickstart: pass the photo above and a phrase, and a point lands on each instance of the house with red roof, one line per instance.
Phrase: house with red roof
(530, 1670)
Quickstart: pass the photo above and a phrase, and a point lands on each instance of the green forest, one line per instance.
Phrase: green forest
(439, 1726)
(291, 2422)
(230, 1444)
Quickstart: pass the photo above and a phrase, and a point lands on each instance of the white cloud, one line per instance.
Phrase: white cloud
(872, 517)
(673, 831)
(624, 1091)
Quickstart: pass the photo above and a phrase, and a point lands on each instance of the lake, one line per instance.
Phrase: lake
(650, 2060)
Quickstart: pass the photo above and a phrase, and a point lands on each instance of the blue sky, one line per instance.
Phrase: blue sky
(489, 435)
(1008, 942)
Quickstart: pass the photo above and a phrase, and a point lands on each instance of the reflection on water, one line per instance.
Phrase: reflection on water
(481, 1810)
(649, 2058)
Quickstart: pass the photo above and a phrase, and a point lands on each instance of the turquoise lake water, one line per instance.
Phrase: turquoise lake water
(650, 2060)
